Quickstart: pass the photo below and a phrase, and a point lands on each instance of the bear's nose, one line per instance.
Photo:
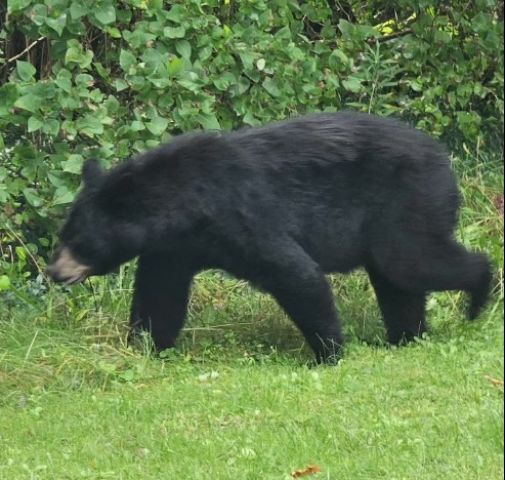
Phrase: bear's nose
(50, 271)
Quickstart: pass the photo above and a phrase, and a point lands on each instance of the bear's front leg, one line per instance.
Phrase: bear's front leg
(160, 299)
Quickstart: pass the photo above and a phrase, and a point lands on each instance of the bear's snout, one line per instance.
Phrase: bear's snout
(65, 268)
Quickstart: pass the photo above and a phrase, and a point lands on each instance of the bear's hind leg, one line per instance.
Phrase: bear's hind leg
(403, 312)
(436, 264)
(160, 300)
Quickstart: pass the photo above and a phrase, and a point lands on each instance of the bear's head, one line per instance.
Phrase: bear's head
(102, 230)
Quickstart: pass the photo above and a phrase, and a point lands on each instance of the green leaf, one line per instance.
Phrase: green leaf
(62, 196)
(89, 125)
(120, 84)
(205, 52)
(249, 119)
(75, 54)
(17, 5)
(208, 121)
(176, 13)
(4, 195)
(174, 66)
(174, 32)
(157, 125)
(126, 60)
(227, 31)
(469, 123)
(55, 178)
(442, 37)
(64, 80)
(8, 95)
(271, 87)
(102, 71)
(73, 164)
(346, 28)
(34, 124)
(355, 31)
(84, 80)
(5, 282)
(20, 252)
(78, 9)
(58, 23)
(247, 59)
(352, 84)
(284, 33)
(113, 32)
(137, 126)
(32, 197)
(338, 59)
(189, 84)
(39, 14)
(51, 127)
(183, 48)
(154, 5)
(25, 70)
(416, 85)
(29, 102)
(225, 81)
(239, 87)
(105, 14)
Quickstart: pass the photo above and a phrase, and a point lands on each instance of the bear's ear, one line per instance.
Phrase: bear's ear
(91, 172)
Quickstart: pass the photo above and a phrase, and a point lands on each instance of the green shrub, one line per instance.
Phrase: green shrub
(107, 79)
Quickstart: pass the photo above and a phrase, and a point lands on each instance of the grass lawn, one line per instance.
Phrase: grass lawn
(239, 397)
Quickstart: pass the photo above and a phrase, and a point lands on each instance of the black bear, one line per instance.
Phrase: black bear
(280, 206)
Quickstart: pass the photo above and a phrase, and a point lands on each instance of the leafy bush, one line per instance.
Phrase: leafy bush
(107, 79)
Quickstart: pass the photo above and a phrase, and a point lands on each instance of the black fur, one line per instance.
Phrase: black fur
(281, 206)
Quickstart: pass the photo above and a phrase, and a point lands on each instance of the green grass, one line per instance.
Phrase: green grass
(239, 398)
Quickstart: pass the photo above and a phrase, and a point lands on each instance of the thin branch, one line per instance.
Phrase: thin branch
(25, 51)
(11, 231)
(392, 36)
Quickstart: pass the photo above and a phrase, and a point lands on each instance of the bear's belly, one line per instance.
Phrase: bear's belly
(335, 240)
